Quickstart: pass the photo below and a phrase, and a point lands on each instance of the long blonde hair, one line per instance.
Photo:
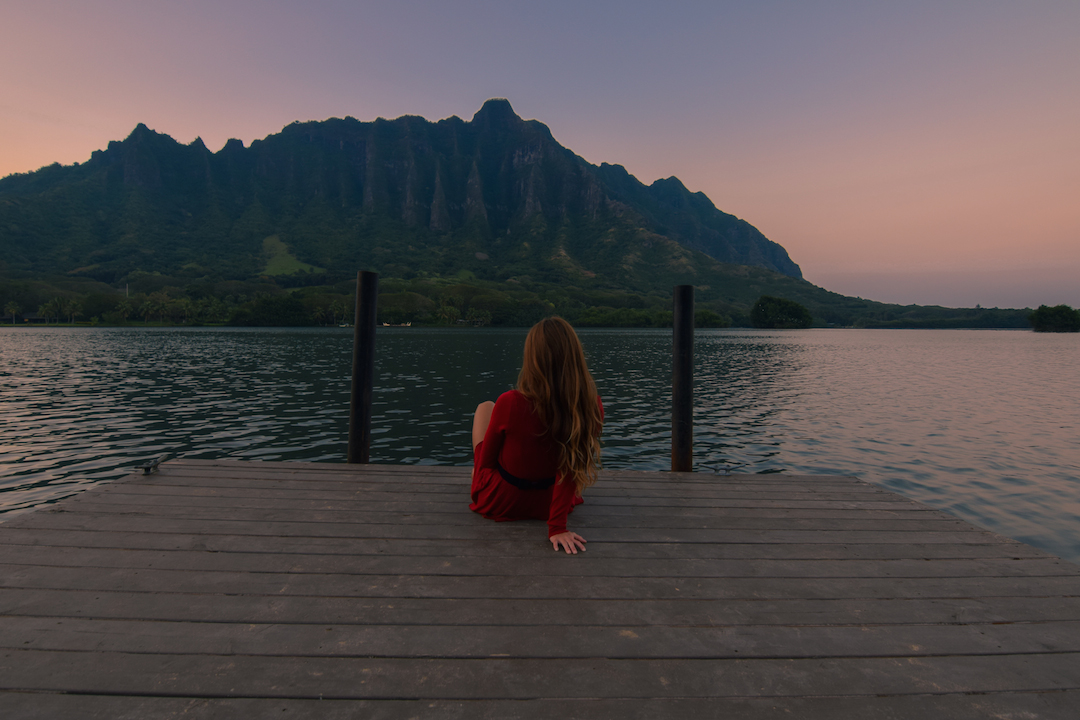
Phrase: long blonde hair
(556, 379)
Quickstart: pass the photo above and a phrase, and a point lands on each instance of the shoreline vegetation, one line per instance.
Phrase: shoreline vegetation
(1057, 319)
(153, 300)
(154, 325)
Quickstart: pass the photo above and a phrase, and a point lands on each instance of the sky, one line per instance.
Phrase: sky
(913, 152)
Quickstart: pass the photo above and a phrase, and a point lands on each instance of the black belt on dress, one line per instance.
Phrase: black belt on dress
(523, 484)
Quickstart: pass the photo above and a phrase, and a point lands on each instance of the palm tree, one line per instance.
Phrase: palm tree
(73, 308)
(448, 314)
(161, 304)
(51, 309)
(179, 309)
(156, 304)
(12, 308)
(337, 308)
(478, 317)
(124, 309)
(216, 310)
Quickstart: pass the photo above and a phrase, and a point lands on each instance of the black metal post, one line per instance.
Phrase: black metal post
(682, 381)
(363, 366)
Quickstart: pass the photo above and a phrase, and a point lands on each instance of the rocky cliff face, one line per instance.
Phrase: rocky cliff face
(392, 194)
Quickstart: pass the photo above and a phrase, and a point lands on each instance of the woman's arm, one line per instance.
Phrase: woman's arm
(562, 502)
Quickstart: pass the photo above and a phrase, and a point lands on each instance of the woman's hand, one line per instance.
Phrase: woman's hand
(570, 541)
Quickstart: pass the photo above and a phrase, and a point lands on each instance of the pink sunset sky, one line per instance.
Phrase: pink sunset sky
(914, 152)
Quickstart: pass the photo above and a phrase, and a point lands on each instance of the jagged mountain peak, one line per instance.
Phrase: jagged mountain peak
(142, 133)
(496, 111)
(342, 192)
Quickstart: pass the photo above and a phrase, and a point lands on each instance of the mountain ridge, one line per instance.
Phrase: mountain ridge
(489, 216)
(496, 185)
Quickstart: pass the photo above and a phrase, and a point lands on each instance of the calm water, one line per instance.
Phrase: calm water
(983, 424)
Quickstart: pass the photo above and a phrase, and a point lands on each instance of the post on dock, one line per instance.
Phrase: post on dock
(363, 366)
(682, 381)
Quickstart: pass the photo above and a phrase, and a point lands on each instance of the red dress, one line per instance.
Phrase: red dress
(516, 442)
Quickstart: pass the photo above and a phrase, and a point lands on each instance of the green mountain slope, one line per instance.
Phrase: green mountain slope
(401, 196)
(495, 202)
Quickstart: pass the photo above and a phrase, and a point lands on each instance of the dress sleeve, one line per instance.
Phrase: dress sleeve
(562, 501)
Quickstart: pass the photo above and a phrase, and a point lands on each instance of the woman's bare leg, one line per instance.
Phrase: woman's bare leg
(481, 420)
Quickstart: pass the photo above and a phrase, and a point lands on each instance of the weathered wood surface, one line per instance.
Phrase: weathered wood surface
(231, 589)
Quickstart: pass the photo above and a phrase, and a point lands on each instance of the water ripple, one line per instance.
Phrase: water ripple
(980, 423)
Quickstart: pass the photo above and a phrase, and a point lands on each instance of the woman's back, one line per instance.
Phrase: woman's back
(517, 440)
(537, 448)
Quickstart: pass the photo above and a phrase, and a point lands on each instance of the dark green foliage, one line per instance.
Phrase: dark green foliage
(518, 302)
(98, 304)
(932, 317)
(405, 307)
(775, 313)
(693, 220)
(1060, 318)
(621, 317)
(280, 311)
(491, 218)
(13, 309)
(710, 319)
(496, 197)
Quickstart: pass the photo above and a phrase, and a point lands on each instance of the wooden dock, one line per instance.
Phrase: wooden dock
(293, 590)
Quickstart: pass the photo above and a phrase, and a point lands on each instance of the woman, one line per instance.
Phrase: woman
(537, 447)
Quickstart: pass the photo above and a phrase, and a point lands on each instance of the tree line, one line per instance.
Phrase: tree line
(150, 298)
(1060, 318)
(422, 303)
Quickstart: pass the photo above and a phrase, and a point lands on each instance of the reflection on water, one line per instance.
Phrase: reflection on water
(980, 423)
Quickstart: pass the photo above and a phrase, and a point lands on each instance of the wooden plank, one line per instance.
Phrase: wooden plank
(583, 517)
(285, 466)
(548, 565)
(597, 496)
(340, 473)
(530, 642)
(528, 586)
(274, 608)
(512, 545)
(481, 529)
(343, 481)
(500, 678)
(423, 472)
(1058, 705)
(653, 490)
(408, 502)
(341, 476)
(458, 503)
